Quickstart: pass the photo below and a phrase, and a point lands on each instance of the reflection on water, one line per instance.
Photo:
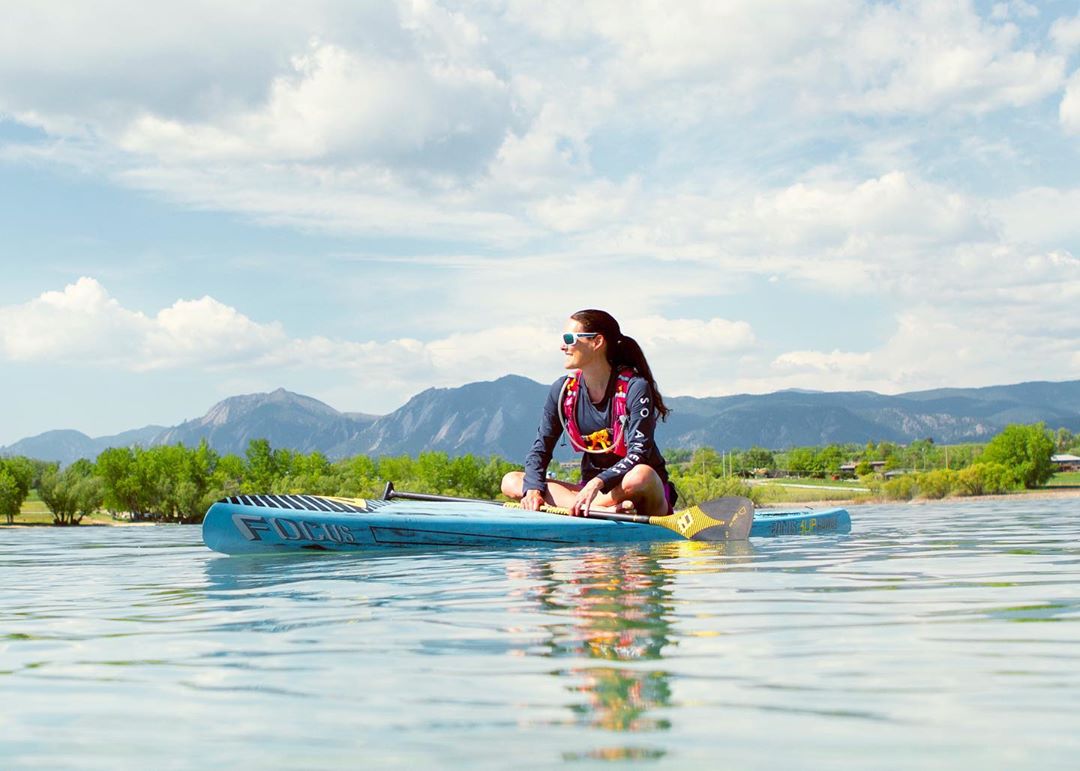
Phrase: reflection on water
(616, 609)
(618, 605)
(955, 624)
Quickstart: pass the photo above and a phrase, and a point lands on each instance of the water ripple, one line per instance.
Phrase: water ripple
(932, 635)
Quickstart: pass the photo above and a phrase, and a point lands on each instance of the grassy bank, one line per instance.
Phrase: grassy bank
(35, 512)
(1064, 479)
(792, 490)
(770, 493)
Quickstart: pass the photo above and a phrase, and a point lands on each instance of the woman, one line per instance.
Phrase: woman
(608, 407)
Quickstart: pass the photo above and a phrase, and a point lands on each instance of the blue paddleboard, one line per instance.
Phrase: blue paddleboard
(270, 523)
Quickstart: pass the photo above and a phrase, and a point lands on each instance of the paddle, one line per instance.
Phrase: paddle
(722, 519)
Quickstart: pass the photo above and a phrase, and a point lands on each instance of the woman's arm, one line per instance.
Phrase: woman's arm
(539, 457)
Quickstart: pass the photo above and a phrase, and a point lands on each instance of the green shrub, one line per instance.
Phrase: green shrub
(863, 469)
(936, 484)
(986, 479)
(901, 488)
(697, 488)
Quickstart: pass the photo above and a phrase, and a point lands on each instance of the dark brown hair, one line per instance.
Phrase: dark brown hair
(622, 350)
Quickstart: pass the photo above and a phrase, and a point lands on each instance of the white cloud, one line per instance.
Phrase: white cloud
(342, 105)
(991, 316)
(587, 207)
(929, 55)
(1041, 215)
(421, 120)
(838, 234)
(1070, 105)
(891, 206)
(1014, 9)
(850, 367)
(205, 332)
(83, 324)
(862, 57)
(719, 336)
(1066, 34)
(982, 317)
(652, 156)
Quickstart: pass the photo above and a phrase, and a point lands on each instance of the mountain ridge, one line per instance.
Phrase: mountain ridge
(500, 417)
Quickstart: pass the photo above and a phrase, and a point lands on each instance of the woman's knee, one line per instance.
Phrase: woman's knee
(512, 484)
(640, 478)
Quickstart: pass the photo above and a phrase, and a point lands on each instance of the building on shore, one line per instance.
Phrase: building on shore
(1066, 462)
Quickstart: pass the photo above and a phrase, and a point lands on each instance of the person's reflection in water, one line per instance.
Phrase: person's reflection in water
(620, 605)
(620, 608)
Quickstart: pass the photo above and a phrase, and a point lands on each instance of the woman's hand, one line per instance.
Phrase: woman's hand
(585, 497)
(532, 501)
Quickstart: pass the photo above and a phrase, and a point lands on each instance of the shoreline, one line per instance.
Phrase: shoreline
(118, 523)
(1044, 494)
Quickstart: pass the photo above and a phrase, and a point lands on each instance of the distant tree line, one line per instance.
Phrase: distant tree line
(174, 483)
(1016, 458)
(827, 460)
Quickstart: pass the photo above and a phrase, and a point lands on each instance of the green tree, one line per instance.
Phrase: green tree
(16, 476)
(758, 457)
(261, 468)
(1064, 439)
(116, 469)
(396, 469)
(358, 477)
(706, 461)
(922, 454)
(73, 493)
(882, 451)
(228, 476)
(677, 454)
(803, 461)
(831, 458)
(11, 500)
(1025, 449)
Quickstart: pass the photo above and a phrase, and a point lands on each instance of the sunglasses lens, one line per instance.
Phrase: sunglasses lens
(568, 338)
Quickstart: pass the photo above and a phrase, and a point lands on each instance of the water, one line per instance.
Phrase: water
(932, 635)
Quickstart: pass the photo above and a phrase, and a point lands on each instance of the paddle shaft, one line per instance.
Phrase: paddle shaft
(390, 493)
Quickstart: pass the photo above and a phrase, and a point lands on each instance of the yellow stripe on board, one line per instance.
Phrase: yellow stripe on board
(358, 502)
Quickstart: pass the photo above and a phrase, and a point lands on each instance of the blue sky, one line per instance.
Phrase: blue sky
(361, 201)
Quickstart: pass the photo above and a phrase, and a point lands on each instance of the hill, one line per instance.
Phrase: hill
(499, 417)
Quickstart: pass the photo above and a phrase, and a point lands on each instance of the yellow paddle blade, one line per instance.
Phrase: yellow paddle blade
(723, 519)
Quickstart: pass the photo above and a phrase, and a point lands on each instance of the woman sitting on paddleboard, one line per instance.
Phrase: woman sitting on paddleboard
(607, 406)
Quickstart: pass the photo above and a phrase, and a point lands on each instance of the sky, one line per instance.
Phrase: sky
(361, 200)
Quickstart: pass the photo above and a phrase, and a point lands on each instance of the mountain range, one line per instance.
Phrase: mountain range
(500, 417)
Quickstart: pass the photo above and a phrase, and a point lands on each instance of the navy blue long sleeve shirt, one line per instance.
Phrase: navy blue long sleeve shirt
(609, 467)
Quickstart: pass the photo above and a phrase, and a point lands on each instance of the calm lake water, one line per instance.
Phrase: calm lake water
(931, 636)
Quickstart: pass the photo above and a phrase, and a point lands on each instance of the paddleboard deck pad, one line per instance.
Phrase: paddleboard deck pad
(245, 524)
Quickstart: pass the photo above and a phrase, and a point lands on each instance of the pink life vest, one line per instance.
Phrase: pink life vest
(602, 440)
